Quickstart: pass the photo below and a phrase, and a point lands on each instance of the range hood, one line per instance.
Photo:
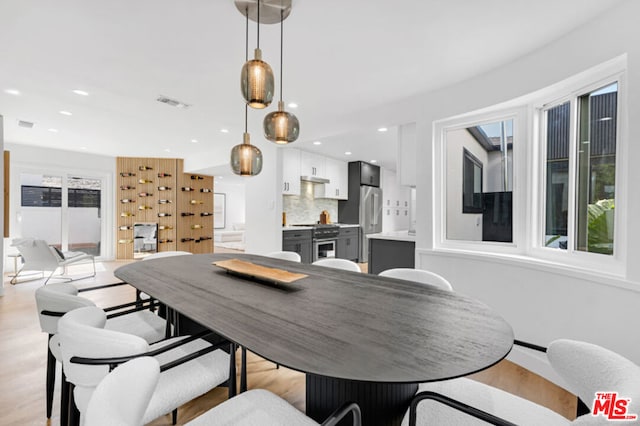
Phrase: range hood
(314, 179)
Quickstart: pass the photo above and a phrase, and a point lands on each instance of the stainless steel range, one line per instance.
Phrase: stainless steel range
(323, 240)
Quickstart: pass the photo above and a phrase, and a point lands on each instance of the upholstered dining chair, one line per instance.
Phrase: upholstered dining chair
(587, 368)
(285, 255)
(39, 256)
(418, 275)
(190, 366)
(122, 396)
(344, 264)
(56, 299)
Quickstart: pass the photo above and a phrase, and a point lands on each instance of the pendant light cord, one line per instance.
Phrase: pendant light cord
(246, 58)
(281, 44)
(258, 24)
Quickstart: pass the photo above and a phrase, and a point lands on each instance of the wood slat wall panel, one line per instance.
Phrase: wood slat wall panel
(195, 231)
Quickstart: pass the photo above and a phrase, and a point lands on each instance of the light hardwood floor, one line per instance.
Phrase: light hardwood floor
(23, 354)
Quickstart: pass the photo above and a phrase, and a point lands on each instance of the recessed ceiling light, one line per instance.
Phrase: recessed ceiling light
(65, 112)
(167, 150)
(53, 130)
(224, 130)
(373, 161)
(317, 143)
(13, 92)
(382, 129)
(220, 177)
(80, 92)
(347, 153)
(194, 140)
(83, 147)
(292, 105)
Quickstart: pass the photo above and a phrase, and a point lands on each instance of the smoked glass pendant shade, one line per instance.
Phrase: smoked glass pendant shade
(246, 159)
(257, 82)
(280, 126)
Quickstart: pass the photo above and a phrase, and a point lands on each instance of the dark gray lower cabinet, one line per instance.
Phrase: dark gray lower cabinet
(300, 242)
(388, 254)
(347, 243)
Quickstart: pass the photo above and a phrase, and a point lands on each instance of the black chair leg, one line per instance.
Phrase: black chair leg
(64, 401)
(232, 369)
(243, 371)
(51, 378)
(74, 413)
(174, 416)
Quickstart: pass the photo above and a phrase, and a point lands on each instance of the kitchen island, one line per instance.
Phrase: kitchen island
(389, 250)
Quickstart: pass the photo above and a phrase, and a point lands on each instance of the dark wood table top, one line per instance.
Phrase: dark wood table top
(333, 323)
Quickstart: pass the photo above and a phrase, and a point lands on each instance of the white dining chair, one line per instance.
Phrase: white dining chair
(419, 276)
(39, 256)
(587, 368)
(56, 299)
(190, 366)
(122, 397)
(286, 255)
(344, 264)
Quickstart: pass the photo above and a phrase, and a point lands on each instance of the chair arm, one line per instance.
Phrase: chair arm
(100, 287)
(460, 406)
(138, 306)
(530, 345)
(115, 361)
(342, 411)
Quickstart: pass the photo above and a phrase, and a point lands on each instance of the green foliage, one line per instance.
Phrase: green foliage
(598, 228)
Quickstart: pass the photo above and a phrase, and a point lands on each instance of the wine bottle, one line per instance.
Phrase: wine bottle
(187, 214)
(206, 214)
(196, 202)
(127, 241)
(144, 207)
(205, 190)
(127, 174)
(184, 240)
(204, 238)
(126, 187)
(196, 177)
(187, 188)
(145, 194)
(164, 188)
(164, 201)
(164, 175)
(144, 168)
(197, 226)
(127, 200)
(145, 181)
(124, 228)
(165, 227)
(165, 241)
(126, 214)
(164, 214)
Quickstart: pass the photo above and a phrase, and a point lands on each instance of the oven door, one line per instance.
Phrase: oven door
(324, 249)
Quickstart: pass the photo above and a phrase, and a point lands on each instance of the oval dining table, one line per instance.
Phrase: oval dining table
(358, 337)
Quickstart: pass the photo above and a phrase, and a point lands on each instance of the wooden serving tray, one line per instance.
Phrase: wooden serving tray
(252, 270)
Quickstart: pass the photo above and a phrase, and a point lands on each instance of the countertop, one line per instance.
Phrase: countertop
(394, 235)
(341, 225)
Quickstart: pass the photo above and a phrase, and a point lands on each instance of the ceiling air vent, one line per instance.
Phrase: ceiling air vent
(25, 124)
(172, 102)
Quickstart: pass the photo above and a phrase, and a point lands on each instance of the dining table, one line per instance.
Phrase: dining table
(357, 337)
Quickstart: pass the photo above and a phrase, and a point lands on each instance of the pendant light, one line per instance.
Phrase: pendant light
(256, 78)
(281, 126)
(246, 159)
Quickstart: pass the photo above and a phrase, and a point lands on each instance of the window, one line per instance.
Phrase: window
(580, 173)
(471, 184)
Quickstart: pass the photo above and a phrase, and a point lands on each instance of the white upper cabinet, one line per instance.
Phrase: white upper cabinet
(291, 171)
(312, 165)
(338, 174)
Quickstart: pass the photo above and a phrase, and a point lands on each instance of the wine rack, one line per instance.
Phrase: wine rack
(156, 190)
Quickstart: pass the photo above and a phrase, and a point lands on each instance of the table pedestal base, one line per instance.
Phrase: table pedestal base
(380, 403)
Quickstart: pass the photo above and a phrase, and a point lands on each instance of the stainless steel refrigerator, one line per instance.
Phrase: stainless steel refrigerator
(370, 216)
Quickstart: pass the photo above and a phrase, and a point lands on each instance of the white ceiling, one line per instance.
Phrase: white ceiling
(342, 58)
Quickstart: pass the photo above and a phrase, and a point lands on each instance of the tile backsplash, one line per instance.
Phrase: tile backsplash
(305, 209)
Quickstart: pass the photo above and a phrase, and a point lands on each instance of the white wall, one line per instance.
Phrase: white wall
(235, 203)
(38, 160)
(462, 226)
(2, 203)
(540, 301)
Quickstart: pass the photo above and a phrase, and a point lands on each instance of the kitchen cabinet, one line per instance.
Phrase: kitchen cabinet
(347, 243)
(338, 187)
(312, 165)
(299, 241)
(291, 171)
(369, 174)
